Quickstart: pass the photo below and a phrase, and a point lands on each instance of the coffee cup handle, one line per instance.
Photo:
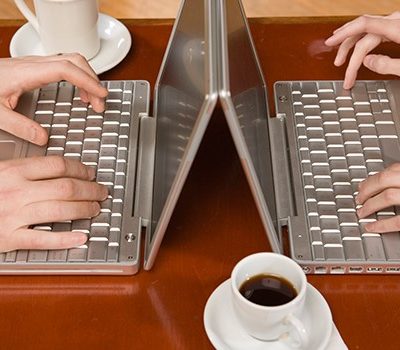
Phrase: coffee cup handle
(302, 334)
(27, 13)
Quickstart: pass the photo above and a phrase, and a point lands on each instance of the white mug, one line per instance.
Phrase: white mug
(65, 26)
(271, 323)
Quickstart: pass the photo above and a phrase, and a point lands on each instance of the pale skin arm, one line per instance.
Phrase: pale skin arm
(44, 189)
(364, 34)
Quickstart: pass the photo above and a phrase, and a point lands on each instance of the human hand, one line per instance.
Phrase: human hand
(364, 34)
(378, 192)
(27, 73)
(45, 189)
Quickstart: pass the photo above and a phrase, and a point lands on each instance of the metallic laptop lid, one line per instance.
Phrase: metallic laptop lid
(185, 96)
(243, 95)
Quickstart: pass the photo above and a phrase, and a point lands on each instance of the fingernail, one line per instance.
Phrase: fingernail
(96, 207)
(79, 238)
(368, 61)
(91, 173)
(105, 193)
(38, 136)
(336, 62)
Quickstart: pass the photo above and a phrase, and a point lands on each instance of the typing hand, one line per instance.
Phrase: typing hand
(364, 34)
(378, 192)
(45, 189)
(23, 74)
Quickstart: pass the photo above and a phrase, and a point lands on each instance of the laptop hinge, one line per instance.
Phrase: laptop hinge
(145, 174)
(281, 169)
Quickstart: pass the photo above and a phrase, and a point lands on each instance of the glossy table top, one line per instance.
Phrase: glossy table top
(214, 225)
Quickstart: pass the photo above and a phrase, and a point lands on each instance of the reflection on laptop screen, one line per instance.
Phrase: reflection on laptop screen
(181, 93)
(247, 90)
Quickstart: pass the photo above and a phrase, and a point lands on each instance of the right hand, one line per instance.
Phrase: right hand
(378, 192)
(41, 190)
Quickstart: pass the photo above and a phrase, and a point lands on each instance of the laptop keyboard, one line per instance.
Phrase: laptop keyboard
(99, 140)
(344, 136)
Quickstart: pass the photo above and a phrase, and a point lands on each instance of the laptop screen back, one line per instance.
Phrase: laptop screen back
(182, 105)
(244, 81)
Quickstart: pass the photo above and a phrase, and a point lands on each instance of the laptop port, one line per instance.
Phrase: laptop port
(337, 269)
(320, 269)
(393, 269)
(355, 269)
(374, 269)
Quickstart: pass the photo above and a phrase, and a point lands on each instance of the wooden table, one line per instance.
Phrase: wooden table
(215, 224)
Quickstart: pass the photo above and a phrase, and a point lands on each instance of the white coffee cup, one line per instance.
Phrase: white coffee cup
(271, 323)
(65, 26)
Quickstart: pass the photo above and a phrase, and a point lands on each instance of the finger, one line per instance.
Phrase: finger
(65, 189)
(75, 58)
(98, 104)
(35, 239)
(81, 62)
(49, 167)
(84, 96)
(344, 49)
(22, 127)
(380, 26)
(54, 211)
(350, 23)
(377, 183)
(361, 49)
(42, 73)
(394, 15)
(385, 199)
(385, 225)
(382, 64)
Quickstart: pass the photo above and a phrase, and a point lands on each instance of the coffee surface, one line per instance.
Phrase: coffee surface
(268, 290)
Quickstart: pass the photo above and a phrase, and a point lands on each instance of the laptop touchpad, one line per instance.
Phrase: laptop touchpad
(7, 149)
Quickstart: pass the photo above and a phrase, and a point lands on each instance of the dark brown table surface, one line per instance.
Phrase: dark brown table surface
(214, 225)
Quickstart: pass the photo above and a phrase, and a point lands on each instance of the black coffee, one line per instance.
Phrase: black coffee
(268, 290)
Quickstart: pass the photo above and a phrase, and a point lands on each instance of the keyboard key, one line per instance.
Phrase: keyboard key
(112, 252)
(65, 93)
(97, 250)
(330, 225)
(59, 255)
(318, 251)
(373, 247)
(391, 244)
(334, 252)
(77, 254)
(353, 249)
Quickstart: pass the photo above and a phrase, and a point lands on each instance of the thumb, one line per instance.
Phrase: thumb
(382, 64)
(21, 126)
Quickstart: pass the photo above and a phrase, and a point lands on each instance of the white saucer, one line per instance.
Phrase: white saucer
(225, 332)
(114, 37)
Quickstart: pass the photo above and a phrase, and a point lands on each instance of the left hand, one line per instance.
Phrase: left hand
(364, 34)
(18, 75)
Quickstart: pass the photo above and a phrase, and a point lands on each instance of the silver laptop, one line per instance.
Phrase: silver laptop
(304, 165)
(143, 160)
